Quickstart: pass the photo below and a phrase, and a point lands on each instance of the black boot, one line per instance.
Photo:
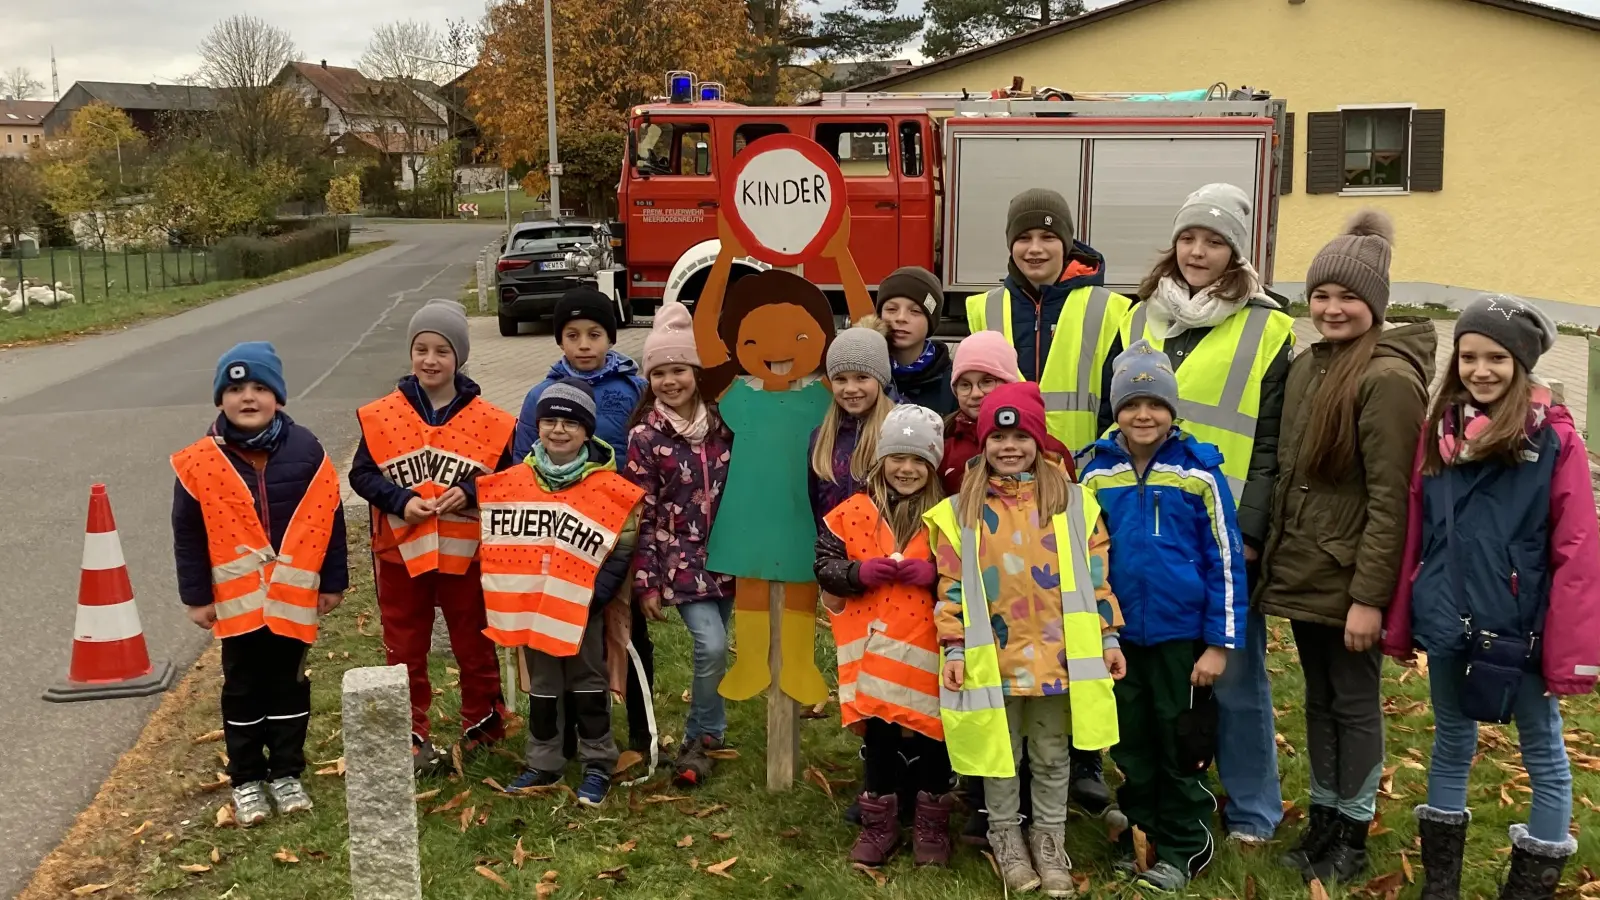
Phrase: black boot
(1535, 865)
(1346, 860)
(1444, 838)
(976, 831)
(1315, 841)
(1088, 782)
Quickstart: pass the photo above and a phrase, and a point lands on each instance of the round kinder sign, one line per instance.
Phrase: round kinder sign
(785, 199)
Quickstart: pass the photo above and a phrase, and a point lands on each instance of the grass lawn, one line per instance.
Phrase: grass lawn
(152, 831)
(85, 317)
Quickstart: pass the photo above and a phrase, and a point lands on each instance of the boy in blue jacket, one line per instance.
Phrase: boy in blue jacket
(1177, 564)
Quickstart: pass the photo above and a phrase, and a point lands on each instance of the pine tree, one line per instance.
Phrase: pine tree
(957, 25)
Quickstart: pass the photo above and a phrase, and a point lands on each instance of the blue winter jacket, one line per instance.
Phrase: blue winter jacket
(1034, 318)
(617, 388)
(1177, 561)
(277, 491)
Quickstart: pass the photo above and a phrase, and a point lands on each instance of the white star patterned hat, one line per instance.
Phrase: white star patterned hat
(1222, 208)
(914, 430)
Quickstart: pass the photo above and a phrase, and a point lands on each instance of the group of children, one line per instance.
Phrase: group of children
(993, 602)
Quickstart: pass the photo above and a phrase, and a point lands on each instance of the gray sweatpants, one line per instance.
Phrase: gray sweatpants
(584, 677)
(1046, 724)
(1344, 720)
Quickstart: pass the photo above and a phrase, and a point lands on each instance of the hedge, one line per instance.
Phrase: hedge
(258, 257)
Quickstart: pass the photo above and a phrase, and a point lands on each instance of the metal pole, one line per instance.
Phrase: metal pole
(127, 272)
(145, 259)
(550, 109)
(506, 183)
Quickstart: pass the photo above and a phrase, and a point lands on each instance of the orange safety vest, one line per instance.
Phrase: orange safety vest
(431, 459)
(888, 645)
(252, 584)
(541, 552)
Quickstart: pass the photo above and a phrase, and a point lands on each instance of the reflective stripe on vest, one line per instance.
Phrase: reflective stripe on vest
(1219, 383)
(541, 551)
(253, 585)
(431, 459)
(974, 717)
(887, 641)
(1070, 380)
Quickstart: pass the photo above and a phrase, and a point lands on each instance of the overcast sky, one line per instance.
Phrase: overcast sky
(155, 40)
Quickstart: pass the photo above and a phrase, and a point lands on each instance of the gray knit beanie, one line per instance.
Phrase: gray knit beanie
(1143, 371)
(1222, 208)
(572, 399)
(1039, 208)
(446, 318)
(1514, 324)
(862, 348)
(912, 429)
(1358, 260)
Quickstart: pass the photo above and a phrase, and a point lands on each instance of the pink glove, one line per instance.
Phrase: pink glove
(877, 572)
(918, 572)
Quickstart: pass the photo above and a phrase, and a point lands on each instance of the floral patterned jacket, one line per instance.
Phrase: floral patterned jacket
(682, 488)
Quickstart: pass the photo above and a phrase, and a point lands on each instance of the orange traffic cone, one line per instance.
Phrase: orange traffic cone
(109, 657)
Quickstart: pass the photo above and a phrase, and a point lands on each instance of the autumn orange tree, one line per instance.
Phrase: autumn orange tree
(609, 56)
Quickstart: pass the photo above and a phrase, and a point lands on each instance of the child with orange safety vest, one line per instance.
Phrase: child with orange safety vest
(260, 581)
(422, 448)
(877, 575)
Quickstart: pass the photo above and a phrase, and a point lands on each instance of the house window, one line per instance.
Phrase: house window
(8, 139)
(1375, 145)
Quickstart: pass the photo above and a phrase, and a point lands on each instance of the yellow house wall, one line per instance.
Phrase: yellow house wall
(1520, 209)
(15, 147)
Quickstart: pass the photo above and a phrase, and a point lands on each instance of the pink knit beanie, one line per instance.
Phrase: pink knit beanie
(671, 338)
(988, 352)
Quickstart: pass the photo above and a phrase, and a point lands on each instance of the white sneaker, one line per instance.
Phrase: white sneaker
(289, 795)
(1246, 838)
(250, 806)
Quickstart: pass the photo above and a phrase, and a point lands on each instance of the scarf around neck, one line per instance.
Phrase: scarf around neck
(692, 430)
(1463, 422)
(1174, 309)
(265, 441)
(560, 477)
(916, 365)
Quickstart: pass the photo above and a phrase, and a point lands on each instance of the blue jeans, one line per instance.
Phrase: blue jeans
(1544, 755)
(707, 621)
(1247, 747)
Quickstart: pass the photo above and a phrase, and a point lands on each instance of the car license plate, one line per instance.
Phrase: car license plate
(554, 265)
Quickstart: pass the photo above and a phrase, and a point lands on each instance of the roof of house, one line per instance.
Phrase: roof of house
(390, 142)
(24, 112)
(1123, 7)
(355, 93)
(151, 96)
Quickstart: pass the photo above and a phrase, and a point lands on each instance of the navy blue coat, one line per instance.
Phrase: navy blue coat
(277, 491)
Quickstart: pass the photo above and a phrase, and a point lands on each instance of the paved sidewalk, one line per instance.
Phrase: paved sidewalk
(506, 367)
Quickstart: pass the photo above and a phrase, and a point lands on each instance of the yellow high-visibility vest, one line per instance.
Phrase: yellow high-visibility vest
(974, 717)
(1219, 384)
(1070, 380)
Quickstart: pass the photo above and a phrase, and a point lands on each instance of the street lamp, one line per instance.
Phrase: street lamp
(118, 137)
(550, 108)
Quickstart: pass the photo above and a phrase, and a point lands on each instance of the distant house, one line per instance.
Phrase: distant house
(153, 108)
(362, 115)
(841, 76)
(21, 125)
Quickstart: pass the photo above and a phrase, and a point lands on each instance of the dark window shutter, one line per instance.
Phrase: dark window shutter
(1324, 153)
(1286, 168)
(1427, 150)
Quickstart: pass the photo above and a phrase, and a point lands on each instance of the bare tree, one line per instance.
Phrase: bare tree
(240, 58)
(20, 84)
(21, 193)
(460, 45)
(402, 61)
(404, 51)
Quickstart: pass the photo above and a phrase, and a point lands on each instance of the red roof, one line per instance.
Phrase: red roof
(23, 113)
(392, 142)
(356, 94)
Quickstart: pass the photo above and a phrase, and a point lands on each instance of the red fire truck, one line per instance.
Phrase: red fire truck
(928, 178)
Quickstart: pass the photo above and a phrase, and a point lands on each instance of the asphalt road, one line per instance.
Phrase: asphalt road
(111, 409)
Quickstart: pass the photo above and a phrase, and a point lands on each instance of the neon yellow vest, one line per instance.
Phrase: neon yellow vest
(974, 717)
(1219, 384)
(1082, 340)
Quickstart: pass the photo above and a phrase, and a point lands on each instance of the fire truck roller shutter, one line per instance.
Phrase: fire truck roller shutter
(692, 268)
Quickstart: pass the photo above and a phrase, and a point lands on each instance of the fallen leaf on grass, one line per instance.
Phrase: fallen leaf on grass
(720, 836)
(815, 776)
(503, 752)
(1588, 803)
(426, 795)
(722, 868)
(336, 769)
(1413, 764)
(710, 810)
(876, 876)
(222, 758)
(724, 753)
(694, 863)
(194, 868)
(483, 817)
(1386, 781)
(545, 889)
(1081, 882)
(1405, 868)
(1422, 663)
(1383, 884)
(1376, 827)
(221, 782)
(492, 875)
(455, 759)
(286, 856)
(549, 877)
(685, 842)
(494, 785)
(335, 733)
(141, 829)
(539, 789)
(1249, 887)
(216, 855)
(992, 864)
(617, 875)
(453, 803)
(361, 624)
(1505, 796)
(1284, 745)
(627, 760)
(87, 889)
(789, 834)
(1292, 813)
(210, 737)
(666, 798)
(628, 847)
(1318, 892)
(225, 817)
(1141, 850)
(466, 818)
(820, 711)
(685, 698)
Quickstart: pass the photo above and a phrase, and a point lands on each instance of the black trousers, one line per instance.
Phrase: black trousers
(266, 706)
(637, 694)
(902, 762)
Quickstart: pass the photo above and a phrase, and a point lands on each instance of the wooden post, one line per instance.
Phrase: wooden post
(783, 713)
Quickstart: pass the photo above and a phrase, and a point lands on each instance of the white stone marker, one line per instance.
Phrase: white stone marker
(380, 789)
